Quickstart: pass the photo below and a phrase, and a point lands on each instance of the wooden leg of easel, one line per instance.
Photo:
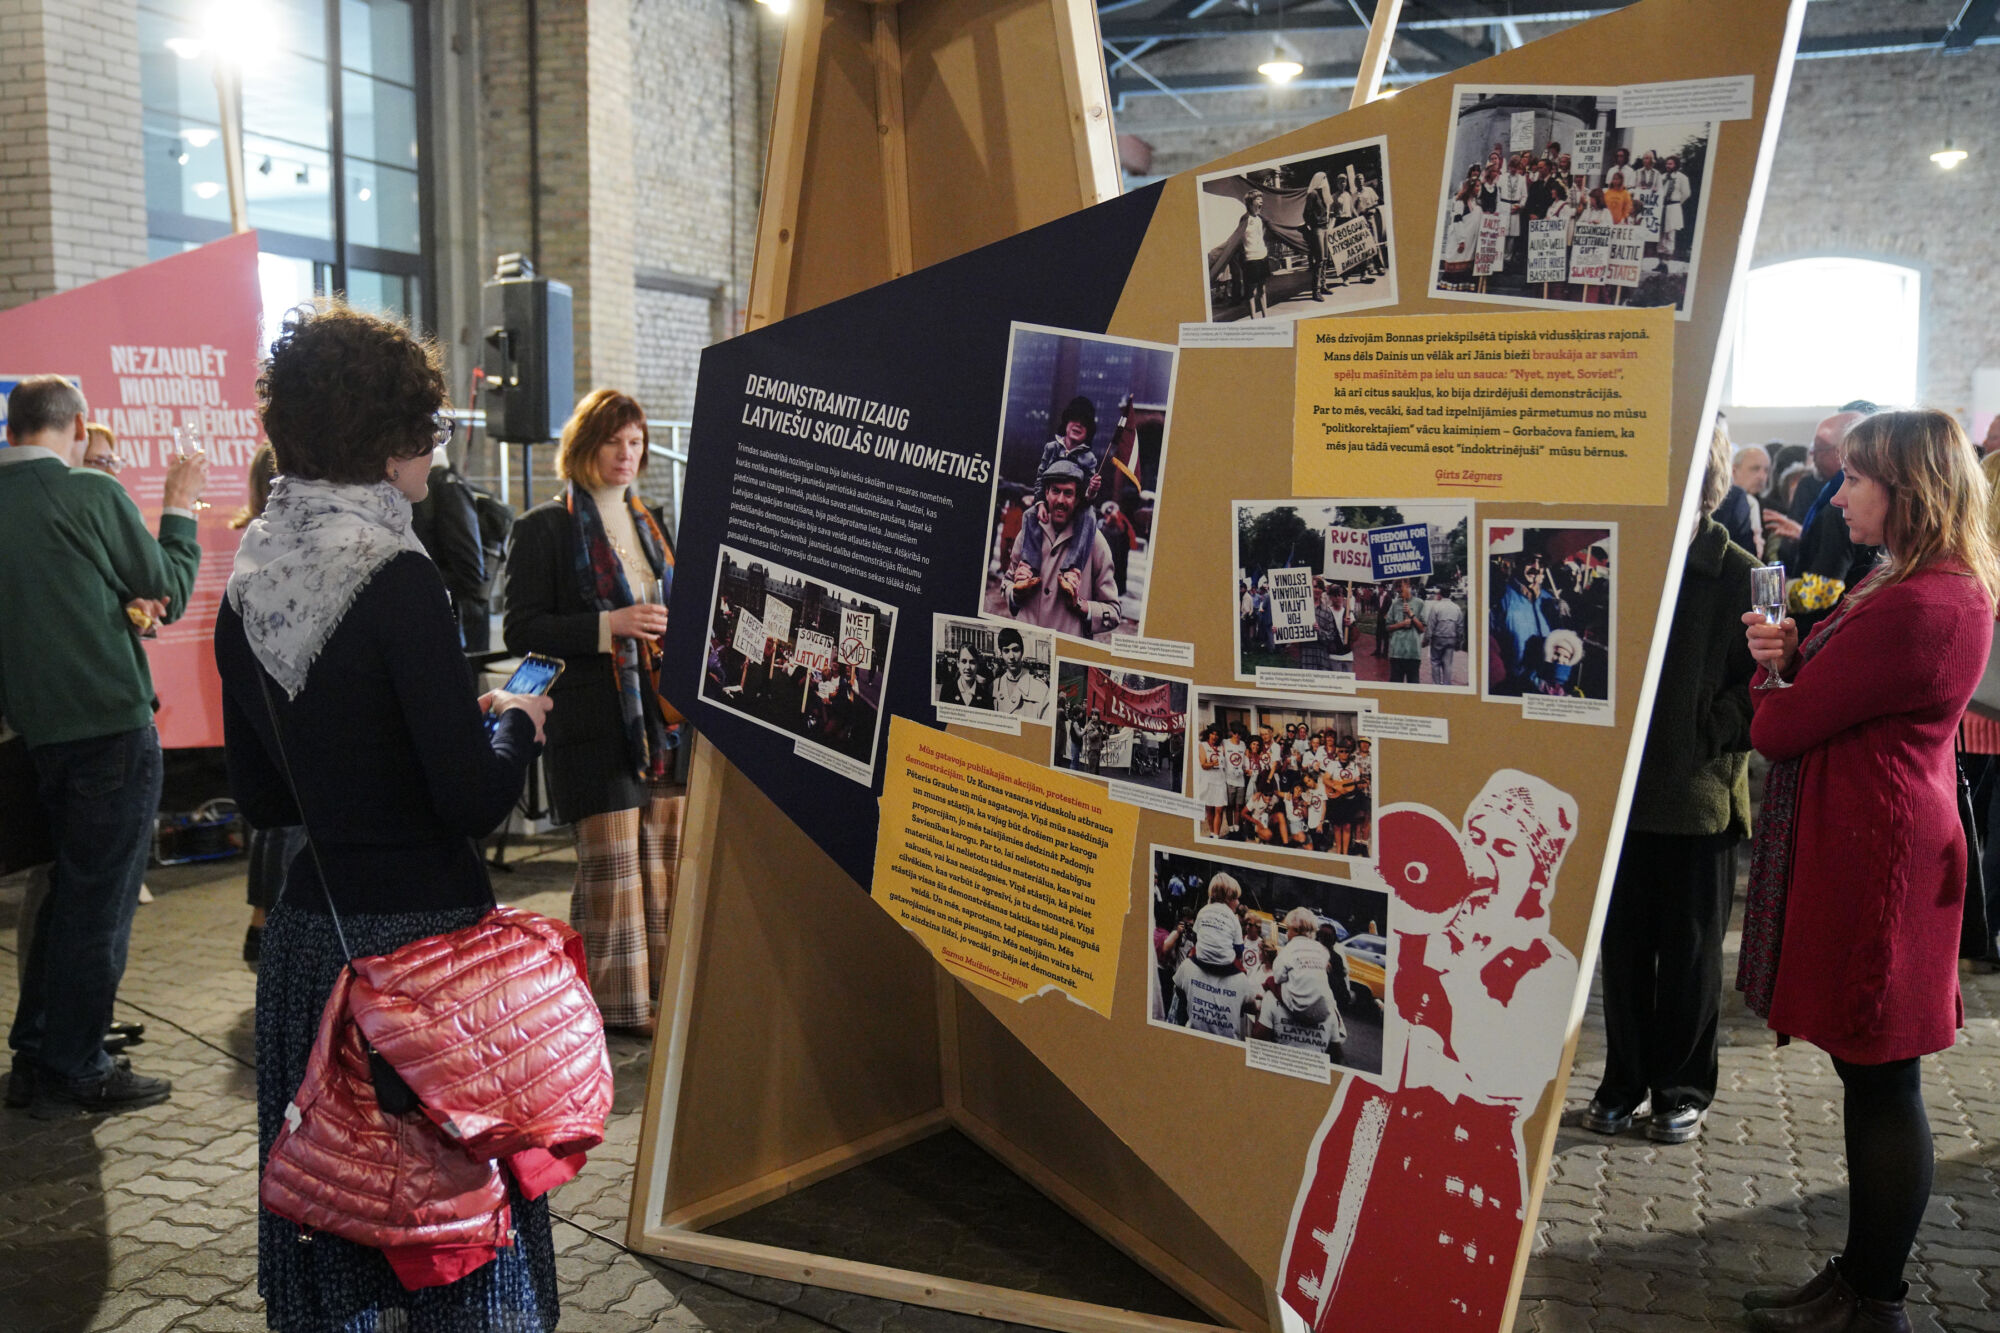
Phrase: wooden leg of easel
(1375, 56)
(1087, 90)
(784, 171)
(889, 125)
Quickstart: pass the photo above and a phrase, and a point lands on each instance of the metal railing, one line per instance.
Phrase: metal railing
(504, 478)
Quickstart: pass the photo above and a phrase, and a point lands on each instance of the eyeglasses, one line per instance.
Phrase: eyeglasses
(442, 429)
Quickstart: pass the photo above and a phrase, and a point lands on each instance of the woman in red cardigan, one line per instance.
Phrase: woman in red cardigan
(1851, 927)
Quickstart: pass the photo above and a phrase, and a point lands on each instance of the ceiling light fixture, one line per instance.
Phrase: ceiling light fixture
(1949, 156)
(778, 7)
(198, 138)
(206, 189)
(187, 48)
(264, 167)
(304, 177)
(1283, 66)
(364, 194)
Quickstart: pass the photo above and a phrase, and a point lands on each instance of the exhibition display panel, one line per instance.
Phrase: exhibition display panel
(1170, 670)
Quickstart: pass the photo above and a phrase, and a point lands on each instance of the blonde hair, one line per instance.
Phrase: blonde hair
(1300, 920)
(601, 415)
(263, 471)
(1990, 465)
(1224, 888)
(1715, 482)
(91, 428)
(1939, 498)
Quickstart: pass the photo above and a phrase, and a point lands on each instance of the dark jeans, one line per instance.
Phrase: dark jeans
(1403, 670)
(1662, 955)
(102, 796)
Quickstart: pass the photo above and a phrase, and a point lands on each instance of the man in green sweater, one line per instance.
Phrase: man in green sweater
(74, 553)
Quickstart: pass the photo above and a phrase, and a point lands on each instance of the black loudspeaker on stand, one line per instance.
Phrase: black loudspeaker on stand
(530, 380)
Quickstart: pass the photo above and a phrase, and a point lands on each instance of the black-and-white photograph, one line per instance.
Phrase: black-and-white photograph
(1244, 951)
(1311, 234)
(1005, 670)
(1126, 725)
(1547, 199)
(798, 655)
(1082, 449)
(1285, 773)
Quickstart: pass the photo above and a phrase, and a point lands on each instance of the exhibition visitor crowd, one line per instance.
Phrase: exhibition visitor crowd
(370, 761)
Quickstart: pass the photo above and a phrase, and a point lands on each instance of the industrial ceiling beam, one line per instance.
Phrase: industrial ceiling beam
(1171, 26)
(1973, 22)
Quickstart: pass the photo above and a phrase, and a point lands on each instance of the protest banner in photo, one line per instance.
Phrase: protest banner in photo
(814, 650)
(1586, 154)
(1492, 241)
(1628, 251)
(1400, 552)
(1591, 253)
(1548, 250)
(750, 636)
(857, 638)
(1292, 605)
(1351, 244)
(1348, 555)
(777, 620)
(1521, 132)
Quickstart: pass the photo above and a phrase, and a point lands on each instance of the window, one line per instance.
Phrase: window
(1823, 331)
(333, 168)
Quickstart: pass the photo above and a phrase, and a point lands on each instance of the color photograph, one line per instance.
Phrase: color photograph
(1246, 951)
(1299, 236)
(1082, 448)
(1548, 200)
(1121, 724)
(1552, 615)
(1377, 589)
(1285, 773)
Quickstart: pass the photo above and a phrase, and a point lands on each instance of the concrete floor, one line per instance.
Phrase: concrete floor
(142, 1222)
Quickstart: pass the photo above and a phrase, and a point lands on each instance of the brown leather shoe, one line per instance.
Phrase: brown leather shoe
(1778, 1298)
(1831, 1311)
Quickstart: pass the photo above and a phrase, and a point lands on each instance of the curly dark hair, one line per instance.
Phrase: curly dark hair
(345, 391)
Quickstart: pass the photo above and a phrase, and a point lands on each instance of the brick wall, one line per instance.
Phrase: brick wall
(1853, 176)
(72, 187)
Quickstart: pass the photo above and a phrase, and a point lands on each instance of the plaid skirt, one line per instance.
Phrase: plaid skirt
(626, 865)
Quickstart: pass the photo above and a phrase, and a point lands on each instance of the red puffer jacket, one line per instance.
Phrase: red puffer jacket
(494, 1029)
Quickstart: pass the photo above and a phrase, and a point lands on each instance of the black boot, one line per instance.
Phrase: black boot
(1831, 1311)
(1873, 1316)
(1778, 1298)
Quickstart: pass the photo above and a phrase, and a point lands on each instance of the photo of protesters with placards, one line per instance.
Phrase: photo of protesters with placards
(1307, 774)
(1376, 589)
(799, 656)
(1244, 951)
(1299, 236)
(1121, 725)
(1575, 207)
(1551, 594)
(1003, 670)
(1077, 473)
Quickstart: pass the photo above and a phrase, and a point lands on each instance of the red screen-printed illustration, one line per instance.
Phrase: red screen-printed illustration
(1411, 1210)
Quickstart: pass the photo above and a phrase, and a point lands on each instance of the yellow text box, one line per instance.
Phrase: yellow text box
(1566, 407)
(1014, 876)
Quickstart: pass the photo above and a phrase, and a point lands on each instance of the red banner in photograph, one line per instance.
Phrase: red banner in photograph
(1148, 710)
(173, 343)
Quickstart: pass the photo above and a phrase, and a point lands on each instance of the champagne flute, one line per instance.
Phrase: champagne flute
(187, 440)
(1767, 598)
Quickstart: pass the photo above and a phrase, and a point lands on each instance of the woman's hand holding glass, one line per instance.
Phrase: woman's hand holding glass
(1773, 646)
(641, 620)
(536, 706)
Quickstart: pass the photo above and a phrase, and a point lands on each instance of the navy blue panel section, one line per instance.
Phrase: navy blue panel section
(934, 342)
